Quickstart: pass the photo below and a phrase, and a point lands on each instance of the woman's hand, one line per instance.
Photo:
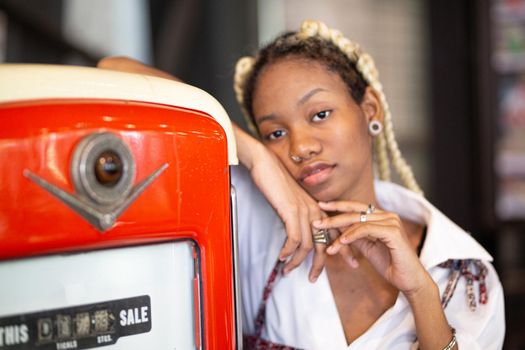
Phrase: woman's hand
(294, 206)
(381, 239)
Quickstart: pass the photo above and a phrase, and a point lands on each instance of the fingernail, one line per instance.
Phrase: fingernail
(282, 258)
(313, 279)
(330, 249)
(316, 223)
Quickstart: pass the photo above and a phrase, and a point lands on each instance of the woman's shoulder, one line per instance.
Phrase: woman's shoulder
(445, 239)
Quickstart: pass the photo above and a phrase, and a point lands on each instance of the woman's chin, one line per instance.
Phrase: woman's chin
(324, 195)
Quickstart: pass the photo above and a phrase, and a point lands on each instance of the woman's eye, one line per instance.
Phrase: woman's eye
(275, 134)
(321, 115)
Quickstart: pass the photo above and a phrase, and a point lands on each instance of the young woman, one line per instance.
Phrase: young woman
(398, 273)
(390, 270)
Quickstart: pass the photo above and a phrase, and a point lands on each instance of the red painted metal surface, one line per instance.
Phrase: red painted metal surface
(190, 199)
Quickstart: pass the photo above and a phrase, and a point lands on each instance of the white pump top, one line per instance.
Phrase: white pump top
(23, 82)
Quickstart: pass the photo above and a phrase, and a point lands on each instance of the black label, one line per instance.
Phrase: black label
(77, 327)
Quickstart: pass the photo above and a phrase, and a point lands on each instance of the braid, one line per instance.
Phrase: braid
(243, 69)
(316, 41)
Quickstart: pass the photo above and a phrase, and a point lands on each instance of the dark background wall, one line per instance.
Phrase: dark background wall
(196, 40)
(464, 129)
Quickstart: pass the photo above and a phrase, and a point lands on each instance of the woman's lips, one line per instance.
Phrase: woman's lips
(315, 174)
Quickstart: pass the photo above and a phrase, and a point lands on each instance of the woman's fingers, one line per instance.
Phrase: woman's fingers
(371, 231)
(347, 219)
(309, 212)
(300, 254)
(348, 256)
(318, 261)
(293, 239)
(297, 225)
(347, 206)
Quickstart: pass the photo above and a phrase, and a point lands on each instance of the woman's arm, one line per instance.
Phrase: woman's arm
(293, 205)
(432, 328)
(129, 65)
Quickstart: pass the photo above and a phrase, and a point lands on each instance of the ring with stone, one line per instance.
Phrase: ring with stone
(322, 236)
(362, 216)
(370, 209)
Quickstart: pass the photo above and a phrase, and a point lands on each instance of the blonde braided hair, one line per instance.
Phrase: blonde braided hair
(386, 150)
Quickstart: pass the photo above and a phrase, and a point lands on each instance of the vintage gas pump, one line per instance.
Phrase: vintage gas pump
(116, 225)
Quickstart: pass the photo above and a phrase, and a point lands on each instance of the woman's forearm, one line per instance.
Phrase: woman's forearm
(248, 147)
(129, 65)
(432, 328)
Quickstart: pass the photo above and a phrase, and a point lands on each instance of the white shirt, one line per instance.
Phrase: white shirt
(304, 315)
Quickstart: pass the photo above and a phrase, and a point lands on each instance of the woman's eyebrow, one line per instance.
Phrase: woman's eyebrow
(308, 95)
(301, 101)
(265, 118)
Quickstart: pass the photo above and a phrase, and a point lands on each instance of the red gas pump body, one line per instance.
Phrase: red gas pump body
(189, 200)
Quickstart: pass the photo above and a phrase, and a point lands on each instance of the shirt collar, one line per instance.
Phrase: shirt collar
(445, 240)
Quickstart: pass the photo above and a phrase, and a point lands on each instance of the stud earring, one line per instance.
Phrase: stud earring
(296, 159)
(375, 127)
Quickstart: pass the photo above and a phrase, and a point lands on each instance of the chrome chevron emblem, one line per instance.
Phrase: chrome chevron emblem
(102, 172)
(100, 216)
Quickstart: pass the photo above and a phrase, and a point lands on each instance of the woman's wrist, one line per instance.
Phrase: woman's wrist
(428, 290)
(432, 328)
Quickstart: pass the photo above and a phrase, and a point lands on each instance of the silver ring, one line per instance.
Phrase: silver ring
(296, 159)
(370, 209)
(362, 216)
(322, 236)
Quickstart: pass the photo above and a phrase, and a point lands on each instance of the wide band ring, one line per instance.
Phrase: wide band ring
(322, 236)
(362, 216)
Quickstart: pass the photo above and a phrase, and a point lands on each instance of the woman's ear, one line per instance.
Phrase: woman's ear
(371, 106)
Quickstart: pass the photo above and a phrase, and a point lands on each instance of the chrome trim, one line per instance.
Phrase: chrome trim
(102, 217)
(236, 276)
(84, 160)
(197, 275)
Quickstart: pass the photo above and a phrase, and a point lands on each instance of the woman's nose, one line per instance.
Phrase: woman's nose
(304, 144)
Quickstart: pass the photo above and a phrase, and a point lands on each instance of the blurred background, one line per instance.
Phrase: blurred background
(453, 71)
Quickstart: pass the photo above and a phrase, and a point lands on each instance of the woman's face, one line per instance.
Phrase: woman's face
(304, 110)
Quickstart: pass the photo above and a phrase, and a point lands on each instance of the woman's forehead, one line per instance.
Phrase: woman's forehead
(296, 63)
(288, 87)
(299, 76)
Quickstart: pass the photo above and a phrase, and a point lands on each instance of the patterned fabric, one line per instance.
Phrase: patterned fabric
(472, 270)
(255, 342)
